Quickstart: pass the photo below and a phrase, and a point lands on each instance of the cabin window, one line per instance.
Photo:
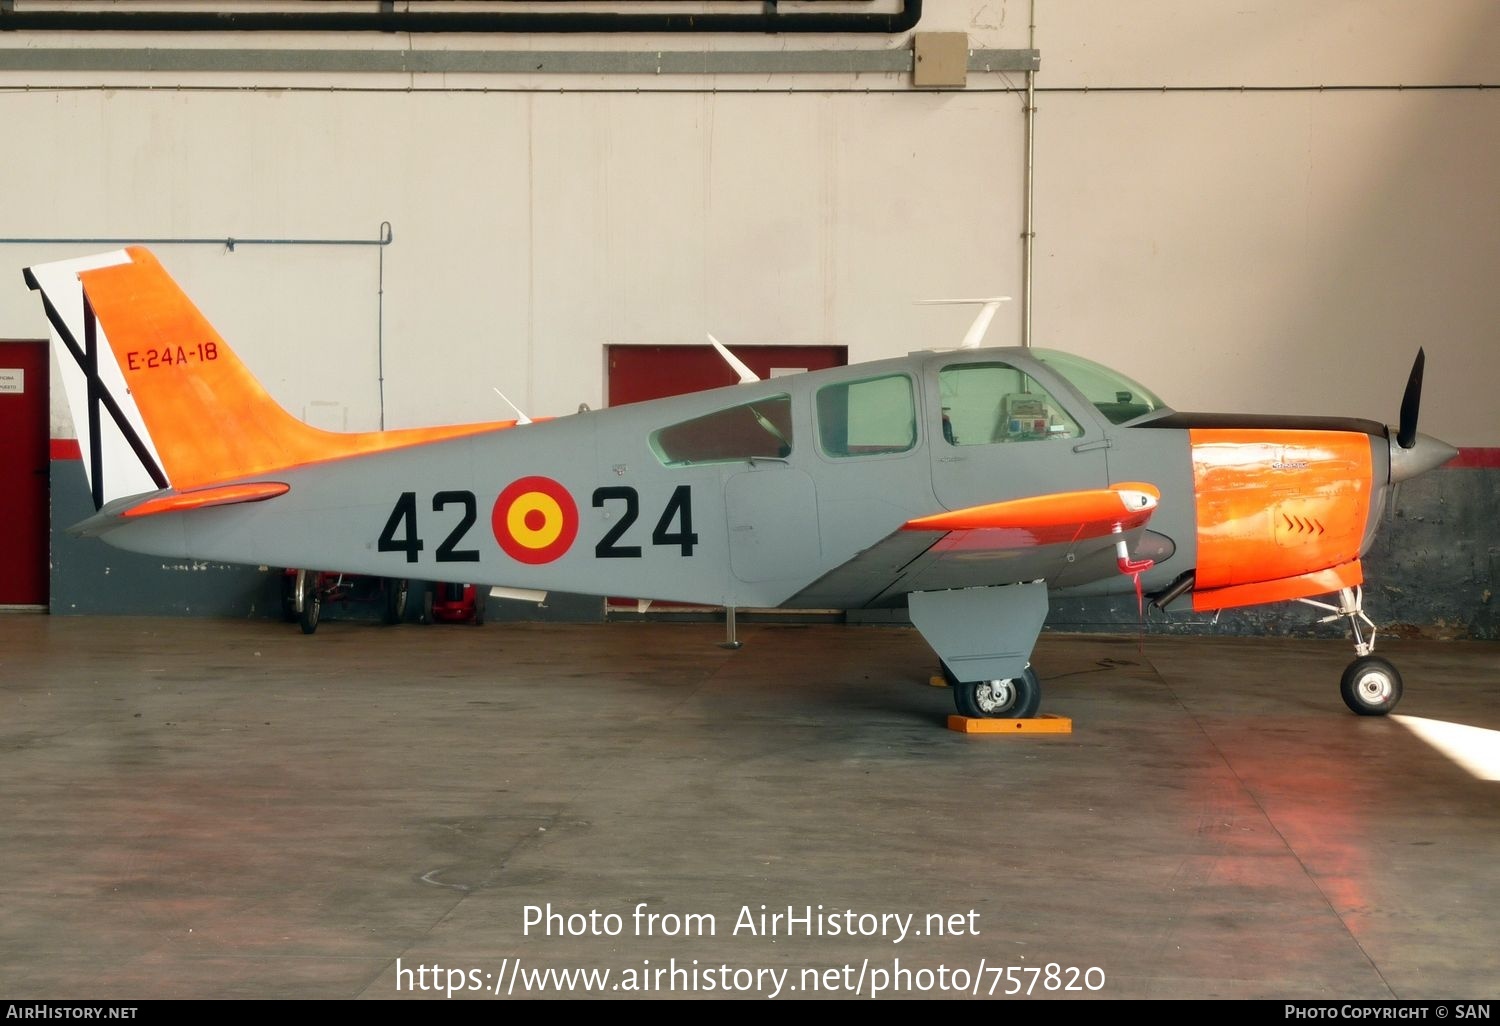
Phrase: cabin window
(985, 403)
(865, 418)
(762, 428)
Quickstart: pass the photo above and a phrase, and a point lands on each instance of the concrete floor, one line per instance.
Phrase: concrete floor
(213, 809)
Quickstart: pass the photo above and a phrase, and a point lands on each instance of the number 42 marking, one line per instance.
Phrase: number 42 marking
(405, 512)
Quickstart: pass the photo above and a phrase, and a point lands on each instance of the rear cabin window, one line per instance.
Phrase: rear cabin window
(759, 429)
(866, 418)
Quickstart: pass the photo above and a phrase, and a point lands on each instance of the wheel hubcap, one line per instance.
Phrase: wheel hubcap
(995, 694)
(1375, 688)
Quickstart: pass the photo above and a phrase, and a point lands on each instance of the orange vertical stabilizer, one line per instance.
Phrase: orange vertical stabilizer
(209, 418)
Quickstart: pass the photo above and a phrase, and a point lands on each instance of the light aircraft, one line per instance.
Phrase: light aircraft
(965, 484)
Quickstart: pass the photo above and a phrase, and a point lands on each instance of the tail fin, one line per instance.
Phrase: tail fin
(159, 399)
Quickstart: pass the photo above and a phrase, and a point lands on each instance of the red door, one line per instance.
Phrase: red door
(23, 473)
(655, 372)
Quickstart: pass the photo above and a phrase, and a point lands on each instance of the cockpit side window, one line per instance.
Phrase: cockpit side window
(866, 418)
(762, 428)
(986, 403)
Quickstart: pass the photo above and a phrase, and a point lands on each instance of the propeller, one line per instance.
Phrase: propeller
(1413, 453)
(1411, 402)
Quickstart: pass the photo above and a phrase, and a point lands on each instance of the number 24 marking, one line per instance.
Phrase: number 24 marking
(679, 509)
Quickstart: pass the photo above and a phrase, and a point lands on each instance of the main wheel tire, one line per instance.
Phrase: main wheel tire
(1017, 698)
(478, 609)
(1370, 686)
(312, 604)
(425, 616)
(395, 599)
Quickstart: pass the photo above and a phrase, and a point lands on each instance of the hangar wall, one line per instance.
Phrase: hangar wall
(1249, 210)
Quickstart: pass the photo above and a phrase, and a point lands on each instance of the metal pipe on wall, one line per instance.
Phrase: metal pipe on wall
(229, 242)
(769, 20)
(1028, 231)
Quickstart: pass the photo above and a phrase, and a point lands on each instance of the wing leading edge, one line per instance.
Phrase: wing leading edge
(1064, 538)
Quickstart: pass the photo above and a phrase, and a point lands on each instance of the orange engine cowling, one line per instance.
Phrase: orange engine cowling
(1281, 513)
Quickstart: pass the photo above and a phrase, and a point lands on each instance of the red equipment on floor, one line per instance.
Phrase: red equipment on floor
(452, 603)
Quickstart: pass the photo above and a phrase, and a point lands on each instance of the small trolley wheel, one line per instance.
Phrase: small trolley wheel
(395, 589)
(1015, 698)
(1370, 686)
(312, 602)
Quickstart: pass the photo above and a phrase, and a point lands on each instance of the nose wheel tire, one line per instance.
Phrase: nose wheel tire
(1014, 698)
(1370, 686)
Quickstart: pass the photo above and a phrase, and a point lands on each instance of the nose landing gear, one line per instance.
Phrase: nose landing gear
(1371, 686)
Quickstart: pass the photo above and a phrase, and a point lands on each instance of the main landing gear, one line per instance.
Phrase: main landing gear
(1014, 698)
(986, 632)
(1370, 685)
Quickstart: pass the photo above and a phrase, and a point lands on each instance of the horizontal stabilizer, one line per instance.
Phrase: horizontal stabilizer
(199, 498)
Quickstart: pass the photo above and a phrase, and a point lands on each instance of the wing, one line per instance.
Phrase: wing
(1064, 538)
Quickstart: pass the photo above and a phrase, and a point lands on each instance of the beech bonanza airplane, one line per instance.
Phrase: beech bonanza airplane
(965, 484)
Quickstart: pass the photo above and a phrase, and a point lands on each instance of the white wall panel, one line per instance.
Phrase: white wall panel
(1292, 264)
(1281, 250)
(1102, 43)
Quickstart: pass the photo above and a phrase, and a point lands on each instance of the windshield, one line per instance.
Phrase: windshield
(1112, 393)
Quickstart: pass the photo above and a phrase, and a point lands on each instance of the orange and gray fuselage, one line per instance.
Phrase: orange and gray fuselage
(844, 488)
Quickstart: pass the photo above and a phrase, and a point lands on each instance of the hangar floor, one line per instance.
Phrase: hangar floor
(209, 809)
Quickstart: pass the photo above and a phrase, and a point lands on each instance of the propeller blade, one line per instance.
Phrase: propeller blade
(1411, 402)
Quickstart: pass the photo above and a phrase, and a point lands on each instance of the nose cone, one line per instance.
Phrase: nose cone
(1427, 453)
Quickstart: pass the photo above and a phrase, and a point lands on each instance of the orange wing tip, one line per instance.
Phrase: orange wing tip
(1060, 509)
(223, 495)
(1047, 723)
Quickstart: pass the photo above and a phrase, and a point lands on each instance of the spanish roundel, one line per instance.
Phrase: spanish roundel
(535, 520)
